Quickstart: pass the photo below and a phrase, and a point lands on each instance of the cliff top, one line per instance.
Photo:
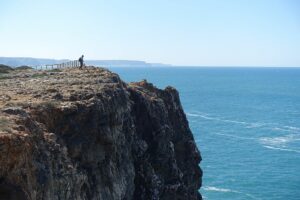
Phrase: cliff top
(25, 89)
(62, 88)
(19, 88)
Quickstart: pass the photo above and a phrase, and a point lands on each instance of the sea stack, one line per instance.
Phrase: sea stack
(75, 134)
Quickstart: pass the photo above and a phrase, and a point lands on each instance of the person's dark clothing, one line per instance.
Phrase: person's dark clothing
(81, 62)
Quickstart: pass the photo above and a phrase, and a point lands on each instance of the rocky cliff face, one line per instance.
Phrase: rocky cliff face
(85, 134)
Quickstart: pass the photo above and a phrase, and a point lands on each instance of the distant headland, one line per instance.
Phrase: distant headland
(18, 61)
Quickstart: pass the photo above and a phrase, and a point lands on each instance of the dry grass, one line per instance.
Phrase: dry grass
(51, 104)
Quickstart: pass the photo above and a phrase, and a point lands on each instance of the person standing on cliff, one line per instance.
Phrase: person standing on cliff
(81, 61)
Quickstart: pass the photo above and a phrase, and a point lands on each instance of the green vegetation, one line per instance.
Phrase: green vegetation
(5, 125)
(39, 75)
(5, 68)
(23, 67)
(2, 77)
(55, 70)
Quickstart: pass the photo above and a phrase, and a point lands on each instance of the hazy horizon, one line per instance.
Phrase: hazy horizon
(20, 63)
(194, 33)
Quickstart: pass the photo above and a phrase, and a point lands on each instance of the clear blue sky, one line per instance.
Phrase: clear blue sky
(190, 32)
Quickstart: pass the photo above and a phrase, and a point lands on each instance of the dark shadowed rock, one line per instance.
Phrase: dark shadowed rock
(5, 68)
(23, 67)
(85, 134)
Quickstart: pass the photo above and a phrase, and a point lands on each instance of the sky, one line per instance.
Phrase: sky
(186, 33)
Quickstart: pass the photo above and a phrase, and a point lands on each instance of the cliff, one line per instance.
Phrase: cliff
(86, 134)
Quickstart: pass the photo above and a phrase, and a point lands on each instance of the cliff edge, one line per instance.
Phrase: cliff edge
(85, 134)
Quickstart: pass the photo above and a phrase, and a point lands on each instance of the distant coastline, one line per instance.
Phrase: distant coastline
(19, 61)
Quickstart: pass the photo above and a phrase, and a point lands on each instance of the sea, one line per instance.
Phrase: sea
(246, 123)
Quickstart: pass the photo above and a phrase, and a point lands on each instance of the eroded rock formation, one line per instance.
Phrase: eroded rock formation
(85, 134)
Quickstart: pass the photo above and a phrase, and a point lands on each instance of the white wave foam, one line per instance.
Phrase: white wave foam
(211, 188)
(233, 121)
(254, 125)
(292, 128)
(202, 116)
(279, 141)
(235, 136)
(206, 116)
(282, 149)
(285, 129)
(216, 189)
(192, 115)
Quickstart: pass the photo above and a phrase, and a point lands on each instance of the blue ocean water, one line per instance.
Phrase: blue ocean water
(246, 122)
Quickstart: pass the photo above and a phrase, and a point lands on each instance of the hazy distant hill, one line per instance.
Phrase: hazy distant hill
(117, 63)
(18, 61)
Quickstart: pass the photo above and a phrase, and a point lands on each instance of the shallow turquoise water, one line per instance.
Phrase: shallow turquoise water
(246, 122)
